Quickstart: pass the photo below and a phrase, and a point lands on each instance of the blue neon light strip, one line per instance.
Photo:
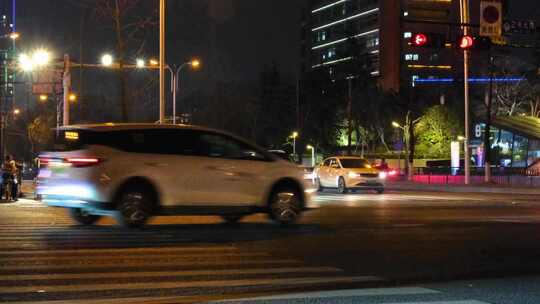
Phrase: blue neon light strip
(471, 80)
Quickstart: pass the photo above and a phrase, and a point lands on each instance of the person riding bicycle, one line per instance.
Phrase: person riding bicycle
(9, 174)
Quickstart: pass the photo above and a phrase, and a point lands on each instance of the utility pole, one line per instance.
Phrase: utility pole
(465, 20)
(67, 88)
(162, 61)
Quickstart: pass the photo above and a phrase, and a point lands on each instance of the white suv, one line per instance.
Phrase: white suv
(134, 171)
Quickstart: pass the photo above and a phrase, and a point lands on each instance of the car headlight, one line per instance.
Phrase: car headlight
(353, 175)
(383, 175)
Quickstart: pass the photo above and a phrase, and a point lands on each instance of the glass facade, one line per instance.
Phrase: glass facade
(509, 149)
(334, 23)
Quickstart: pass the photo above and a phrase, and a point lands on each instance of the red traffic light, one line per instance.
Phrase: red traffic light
(466, 42)
(420, 39)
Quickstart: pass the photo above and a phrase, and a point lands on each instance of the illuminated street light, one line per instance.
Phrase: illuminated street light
(41, 57)
(16, 111)
(396, 125)
(72, 97)
(195, 63)
(312, 148)
(25, 63)
(43, 97)
(154, 62)
(461, 138)
(107, 60)
(14, 35)
(294, 135)
(140, 63)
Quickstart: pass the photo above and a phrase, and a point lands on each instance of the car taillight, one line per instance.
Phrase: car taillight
(44, 161)
(82, 161)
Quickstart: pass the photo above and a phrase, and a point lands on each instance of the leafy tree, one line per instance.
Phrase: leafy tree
(40, 134)
(435, 131)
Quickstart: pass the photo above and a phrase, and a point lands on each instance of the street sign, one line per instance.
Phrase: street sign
(491, 18)
(519, 27)
(47, 82)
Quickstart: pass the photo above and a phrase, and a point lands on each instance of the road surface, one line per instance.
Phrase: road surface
(356, 248)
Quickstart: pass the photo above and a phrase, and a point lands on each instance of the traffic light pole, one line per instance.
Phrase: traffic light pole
(467, 161)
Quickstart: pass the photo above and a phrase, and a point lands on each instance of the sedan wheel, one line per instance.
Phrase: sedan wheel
(285, 206)
(342, 188)
(134, 209)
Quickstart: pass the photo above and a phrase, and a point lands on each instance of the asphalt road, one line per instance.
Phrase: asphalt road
(393, 248)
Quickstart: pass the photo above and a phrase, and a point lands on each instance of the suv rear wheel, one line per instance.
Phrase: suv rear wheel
(285, 206)
(134, 207)
(83, 217)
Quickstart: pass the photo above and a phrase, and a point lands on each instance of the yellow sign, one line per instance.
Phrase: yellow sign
(71, 135)
(491, 18)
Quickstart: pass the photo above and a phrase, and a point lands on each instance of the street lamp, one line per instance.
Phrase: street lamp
(154, 62)
(312, 148)
(294, 135)
(194, 64)
(43, 97)
(16, 112)
(14, 35)
(72, 97)
(140, 63)
(25, 63)
(107, 60)
(41, 57)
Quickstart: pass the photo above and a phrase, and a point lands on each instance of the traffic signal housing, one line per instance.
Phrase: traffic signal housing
(428, 40)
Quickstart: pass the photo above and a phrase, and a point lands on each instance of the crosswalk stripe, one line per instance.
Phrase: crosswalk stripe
(392, 291)
(142, 263)
(135, 257)
(183, 284)
(134, 250)
(116, 275)
(443, 302)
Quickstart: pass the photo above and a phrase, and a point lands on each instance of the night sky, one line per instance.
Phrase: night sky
(248, 33)
(233, 38)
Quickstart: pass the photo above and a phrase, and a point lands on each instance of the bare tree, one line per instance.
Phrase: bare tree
(130, 21)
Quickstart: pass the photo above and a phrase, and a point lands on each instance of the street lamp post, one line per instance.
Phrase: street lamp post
(294, 136)
(175, 73)
(312, 148)
(464, 10)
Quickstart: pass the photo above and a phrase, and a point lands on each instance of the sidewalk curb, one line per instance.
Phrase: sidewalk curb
(462, 189)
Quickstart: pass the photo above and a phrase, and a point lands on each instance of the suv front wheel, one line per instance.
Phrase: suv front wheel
(285, 206)
(134, 208)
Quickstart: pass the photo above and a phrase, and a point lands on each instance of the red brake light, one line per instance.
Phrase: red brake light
(44, 161)
(82, 161)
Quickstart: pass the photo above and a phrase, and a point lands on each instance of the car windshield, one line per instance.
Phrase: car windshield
(354, 163)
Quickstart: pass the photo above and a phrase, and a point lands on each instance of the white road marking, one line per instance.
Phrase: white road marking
(117, 275)
(345, 293)
(106, 286)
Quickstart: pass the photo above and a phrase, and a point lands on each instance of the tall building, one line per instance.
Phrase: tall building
(329, 27)
(383, 29)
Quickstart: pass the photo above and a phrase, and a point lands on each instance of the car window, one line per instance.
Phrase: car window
(221, 146)
(327, 163)
(153, 141)
(354, 163)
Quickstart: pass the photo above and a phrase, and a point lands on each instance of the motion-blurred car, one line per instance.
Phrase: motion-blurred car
(349, 173)
(135, 171)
